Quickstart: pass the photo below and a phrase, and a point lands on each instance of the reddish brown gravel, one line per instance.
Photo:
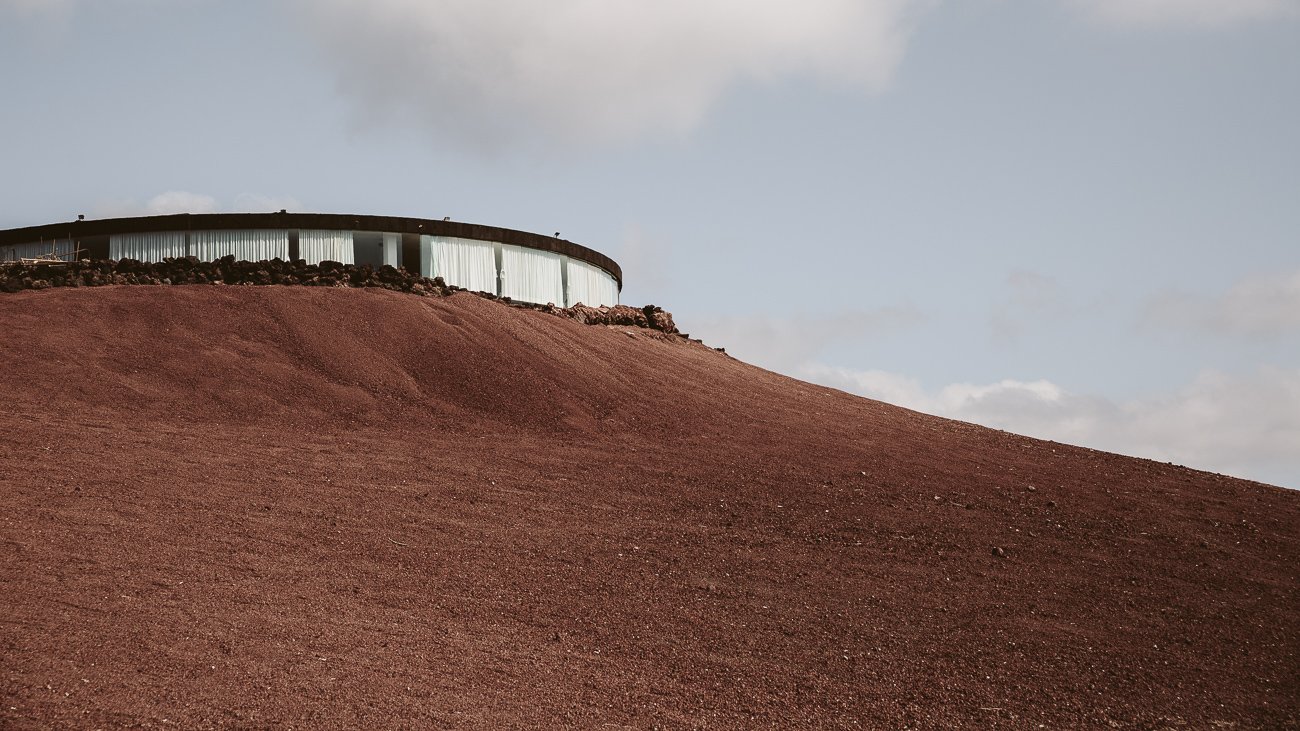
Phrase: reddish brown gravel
(272, 507)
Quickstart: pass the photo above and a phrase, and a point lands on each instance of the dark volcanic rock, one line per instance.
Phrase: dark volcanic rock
(15, 277)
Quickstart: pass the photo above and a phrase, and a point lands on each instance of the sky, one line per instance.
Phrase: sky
(1073, 219)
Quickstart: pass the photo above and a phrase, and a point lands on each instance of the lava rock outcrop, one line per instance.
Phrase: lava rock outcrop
(17, 277)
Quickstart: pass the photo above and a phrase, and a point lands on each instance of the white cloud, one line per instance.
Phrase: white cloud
(1208, 14)
(253, 203)
(1264, 305)
(593, 69)
(172, 201)
(616, 70)
(180, 201)
(1241, 425)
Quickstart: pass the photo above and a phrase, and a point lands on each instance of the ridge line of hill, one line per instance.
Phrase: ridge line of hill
(334, 507)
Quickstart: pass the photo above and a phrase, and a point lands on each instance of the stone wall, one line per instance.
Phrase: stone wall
(229, 271)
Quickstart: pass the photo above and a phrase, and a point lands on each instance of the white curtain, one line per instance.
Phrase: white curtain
(244, 245)
(461, 262)
(62, 249)
(147, 247)
(530, 275)
(319, 246)
(392, 245)
(590, 285)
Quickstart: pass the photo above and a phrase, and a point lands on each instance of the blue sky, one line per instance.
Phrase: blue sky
(1075, 219)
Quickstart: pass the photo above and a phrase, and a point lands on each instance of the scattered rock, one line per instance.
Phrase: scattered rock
(649, 317)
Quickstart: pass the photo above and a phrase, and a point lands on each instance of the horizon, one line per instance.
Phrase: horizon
(1072, 220)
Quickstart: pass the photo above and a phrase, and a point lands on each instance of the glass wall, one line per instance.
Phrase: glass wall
(319, 246)
(465, 263)
(518, 272)
(531, 275)
(589, 285)
(147, 247)
(243, 245)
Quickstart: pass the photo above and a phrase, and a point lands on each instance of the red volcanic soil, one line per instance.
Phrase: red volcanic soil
(272, 507)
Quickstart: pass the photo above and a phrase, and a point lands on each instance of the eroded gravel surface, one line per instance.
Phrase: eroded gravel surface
(268, 507)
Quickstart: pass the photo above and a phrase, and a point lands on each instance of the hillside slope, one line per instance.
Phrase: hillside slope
(256, 507)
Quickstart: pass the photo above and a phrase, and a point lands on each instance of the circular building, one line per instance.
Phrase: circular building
(523, 266)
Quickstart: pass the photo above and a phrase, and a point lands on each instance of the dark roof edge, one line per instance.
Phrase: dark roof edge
(323, 221)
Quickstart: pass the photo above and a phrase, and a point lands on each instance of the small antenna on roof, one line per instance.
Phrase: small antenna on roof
(81, 216)
(557, 234)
